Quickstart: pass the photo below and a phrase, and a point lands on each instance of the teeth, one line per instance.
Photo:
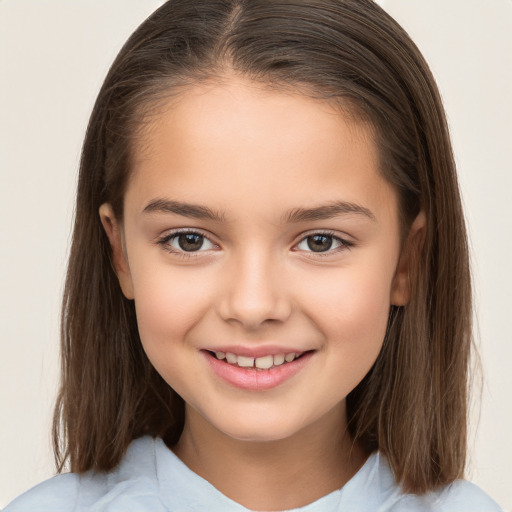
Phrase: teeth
(262, 363)
(265, 362)
(246, 362)
(290, 357)
(279, 359)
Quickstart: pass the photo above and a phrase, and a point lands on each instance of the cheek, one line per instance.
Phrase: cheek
(364, 310)
(353, 315)
(168, 305)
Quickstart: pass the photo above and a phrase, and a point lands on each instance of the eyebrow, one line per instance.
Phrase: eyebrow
(322, 212)
(327, 211)
(184, 209)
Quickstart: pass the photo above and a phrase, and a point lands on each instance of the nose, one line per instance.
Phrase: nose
(254, 292)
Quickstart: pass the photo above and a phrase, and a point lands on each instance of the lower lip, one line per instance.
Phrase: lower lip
(256, 380)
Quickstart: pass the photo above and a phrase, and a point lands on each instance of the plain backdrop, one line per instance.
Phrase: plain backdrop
(53, 57)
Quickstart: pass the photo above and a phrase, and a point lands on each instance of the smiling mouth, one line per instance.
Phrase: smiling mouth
(263, 363)
(257, 373)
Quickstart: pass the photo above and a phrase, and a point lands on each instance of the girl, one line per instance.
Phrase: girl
(268, 299)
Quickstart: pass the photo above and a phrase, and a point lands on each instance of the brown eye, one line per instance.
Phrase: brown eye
(319, 243)
(187, 241)
(190, 241)
(323, 243)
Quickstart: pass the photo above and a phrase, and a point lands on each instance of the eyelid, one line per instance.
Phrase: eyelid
(164, 239)
(345, 244)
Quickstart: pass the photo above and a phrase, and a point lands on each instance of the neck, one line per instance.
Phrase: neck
(307, 465)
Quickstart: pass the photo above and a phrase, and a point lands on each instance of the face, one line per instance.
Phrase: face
(256, 224)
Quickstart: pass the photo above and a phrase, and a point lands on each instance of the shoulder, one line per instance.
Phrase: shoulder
(132, 482)
(54, 495)
(460, 496)
(463, 496)
(374, 488)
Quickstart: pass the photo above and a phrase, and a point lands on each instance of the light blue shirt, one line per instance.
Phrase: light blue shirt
(151, 478)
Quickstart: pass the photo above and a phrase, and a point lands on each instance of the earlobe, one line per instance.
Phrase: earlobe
(114, 234)
(407, 264)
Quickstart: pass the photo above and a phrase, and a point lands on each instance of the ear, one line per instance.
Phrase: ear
(401, 286)
(115, 236)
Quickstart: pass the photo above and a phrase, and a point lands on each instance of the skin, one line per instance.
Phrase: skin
(253, 155)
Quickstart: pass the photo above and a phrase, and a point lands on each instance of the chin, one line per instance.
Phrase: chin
(258, 430)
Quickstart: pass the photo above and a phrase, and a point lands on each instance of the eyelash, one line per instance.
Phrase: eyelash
(343, 244)
(166, 239)
(164, 242)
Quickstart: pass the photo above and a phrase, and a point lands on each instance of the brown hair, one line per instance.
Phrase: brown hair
(412, 404)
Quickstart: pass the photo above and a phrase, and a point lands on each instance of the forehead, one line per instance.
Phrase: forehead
(236, 141)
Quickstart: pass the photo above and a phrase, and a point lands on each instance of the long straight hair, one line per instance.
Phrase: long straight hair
(412, 405)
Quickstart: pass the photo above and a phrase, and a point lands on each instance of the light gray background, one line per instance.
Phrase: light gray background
(53, 57)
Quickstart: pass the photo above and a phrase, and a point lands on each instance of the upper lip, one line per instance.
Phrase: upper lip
(259, 351)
